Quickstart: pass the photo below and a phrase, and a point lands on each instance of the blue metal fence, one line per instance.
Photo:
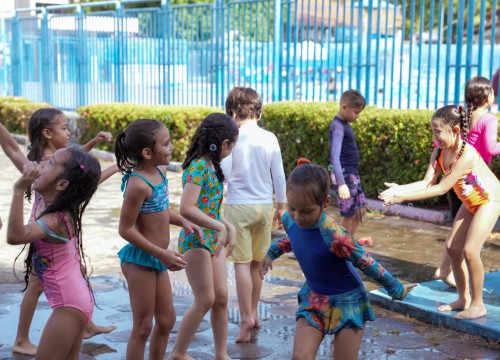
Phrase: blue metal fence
(404, 54)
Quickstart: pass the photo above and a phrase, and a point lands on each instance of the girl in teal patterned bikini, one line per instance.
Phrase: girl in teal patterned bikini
(206, 257)
(143, 150)
(333, 299)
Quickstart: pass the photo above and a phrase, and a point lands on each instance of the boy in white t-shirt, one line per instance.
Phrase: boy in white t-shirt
(253, 170)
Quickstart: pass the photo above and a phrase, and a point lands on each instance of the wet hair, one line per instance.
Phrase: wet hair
(244, 102)
(353, 98)
(208, 139)
(40, 120)
(309, 180)
(129, 143)
(451, 116)
(83, 173)
(477, 91)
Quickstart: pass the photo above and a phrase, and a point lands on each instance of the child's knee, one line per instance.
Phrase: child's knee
(143, 328)
(221, 300)
(471, 253)
(165, 323)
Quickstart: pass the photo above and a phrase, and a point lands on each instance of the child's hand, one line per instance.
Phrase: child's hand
(220, 238)
(31, 171)
(344, 192)
(265, 265)
(189, 228)
(173, 260)
(103, 136)
(407, 289)
(390, 198)
(230, 239)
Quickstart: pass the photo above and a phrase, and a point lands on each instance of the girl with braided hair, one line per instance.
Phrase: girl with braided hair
(479, 190)
(206, 257)
(482, 136)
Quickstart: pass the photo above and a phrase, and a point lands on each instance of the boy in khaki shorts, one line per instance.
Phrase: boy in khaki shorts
(249, 203)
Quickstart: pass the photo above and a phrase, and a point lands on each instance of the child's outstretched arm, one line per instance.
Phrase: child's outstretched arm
(17, 231)
(100, 137)
(108, 172)
(397, 196)
(428, 180)
(11, 149)
(343, 245)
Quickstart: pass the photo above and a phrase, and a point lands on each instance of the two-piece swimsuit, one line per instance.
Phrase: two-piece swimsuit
(156, 203)
(59, 269)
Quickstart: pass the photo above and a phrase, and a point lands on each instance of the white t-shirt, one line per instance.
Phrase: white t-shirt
(254, 168)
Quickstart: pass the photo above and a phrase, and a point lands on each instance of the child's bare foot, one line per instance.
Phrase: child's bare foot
(473, 312)
(222, 357)
(180, 357)
(366, 241)
(456, 305)
(257, 325)
(448, 279)
(24, 347)
(91, 330)
(246, 325)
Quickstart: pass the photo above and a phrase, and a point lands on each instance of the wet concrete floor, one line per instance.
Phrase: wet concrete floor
(410, 250)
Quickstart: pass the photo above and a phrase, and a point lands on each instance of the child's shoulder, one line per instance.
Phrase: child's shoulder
(197, 165)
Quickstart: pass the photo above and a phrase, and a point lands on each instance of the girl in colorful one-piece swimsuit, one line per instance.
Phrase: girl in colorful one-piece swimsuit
(479, 190)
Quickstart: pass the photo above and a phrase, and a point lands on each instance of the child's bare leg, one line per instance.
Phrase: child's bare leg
(164, 317)
(199, 272)
(91, 330)
(306, 341)
(256, 291)
(347, 343)
(219, 313)
(142, 292)
(350, 223)
(481, 225)
(443, 272)
(62, 335)
(455, 247)
(22, 344)
(244, 291)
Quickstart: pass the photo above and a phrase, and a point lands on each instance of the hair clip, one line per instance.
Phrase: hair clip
(29, 147)
(213, 147)
(82, 167)
(330, 167)
(302, 161)
(203, 129)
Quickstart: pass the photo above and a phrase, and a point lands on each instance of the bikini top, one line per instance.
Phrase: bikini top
(159, 198)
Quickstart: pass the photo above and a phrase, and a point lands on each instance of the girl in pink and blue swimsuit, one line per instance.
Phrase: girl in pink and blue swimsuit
(64, 185)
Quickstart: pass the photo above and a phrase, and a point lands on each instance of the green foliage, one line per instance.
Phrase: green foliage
(15, 113)
(181, 121)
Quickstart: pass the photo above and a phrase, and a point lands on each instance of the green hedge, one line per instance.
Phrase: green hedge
(394, 145)
(15, 113)
(181, 121)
